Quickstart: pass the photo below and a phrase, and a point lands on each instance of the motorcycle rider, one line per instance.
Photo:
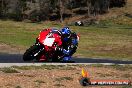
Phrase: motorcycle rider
(69, 43)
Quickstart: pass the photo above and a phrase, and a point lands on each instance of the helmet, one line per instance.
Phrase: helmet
(66, 33)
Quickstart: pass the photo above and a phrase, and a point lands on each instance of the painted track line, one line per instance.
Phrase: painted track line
(39, 64)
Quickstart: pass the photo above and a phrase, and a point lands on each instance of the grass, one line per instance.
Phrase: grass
(18, 87)
(9, 70)
(97, 41)
(63, 78)
(128, 86)
(25, 75)
(39, 81)
(32, 67)
(108, 42)
(59, 85)
(47, 67)
(97, 65)
(122, 68)
(68, 67)
(126, 75)
(115, 66)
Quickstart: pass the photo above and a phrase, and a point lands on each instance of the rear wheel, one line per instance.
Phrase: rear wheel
(30, 53)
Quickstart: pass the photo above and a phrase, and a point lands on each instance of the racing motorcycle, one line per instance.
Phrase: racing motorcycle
(44, 48)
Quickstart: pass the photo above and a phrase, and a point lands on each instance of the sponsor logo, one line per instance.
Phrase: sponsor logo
(85, 80)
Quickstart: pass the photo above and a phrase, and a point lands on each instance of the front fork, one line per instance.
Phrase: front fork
(39, 46)
(38, 52)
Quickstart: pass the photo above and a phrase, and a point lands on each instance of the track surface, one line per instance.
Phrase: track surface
(17, 58)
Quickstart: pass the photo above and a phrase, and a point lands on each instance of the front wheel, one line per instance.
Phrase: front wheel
(30, 53)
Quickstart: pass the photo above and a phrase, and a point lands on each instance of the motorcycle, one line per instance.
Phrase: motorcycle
(44, 48)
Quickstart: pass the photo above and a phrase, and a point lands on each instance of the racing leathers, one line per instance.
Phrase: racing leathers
(69, 47)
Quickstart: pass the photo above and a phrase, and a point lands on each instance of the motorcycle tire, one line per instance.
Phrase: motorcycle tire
(29, 54)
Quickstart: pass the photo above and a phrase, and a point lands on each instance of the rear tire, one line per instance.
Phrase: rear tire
(29, 54)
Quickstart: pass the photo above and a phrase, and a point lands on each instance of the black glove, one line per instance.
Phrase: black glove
(58, 49)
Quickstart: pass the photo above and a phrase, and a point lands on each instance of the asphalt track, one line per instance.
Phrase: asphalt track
(17, 58)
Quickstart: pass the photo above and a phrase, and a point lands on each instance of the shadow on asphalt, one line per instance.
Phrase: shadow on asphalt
(17, 58)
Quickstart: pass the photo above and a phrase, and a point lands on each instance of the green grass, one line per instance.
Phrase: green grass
(9, 70)
(108, 42)
(70, 67)
(48, 67)
(112, 41)
(115, 66)
(121, 67)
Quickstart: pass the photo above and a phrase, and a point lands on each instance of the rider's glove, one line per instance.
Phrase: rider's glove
(64, 51)
(58, 49)
(67, 52)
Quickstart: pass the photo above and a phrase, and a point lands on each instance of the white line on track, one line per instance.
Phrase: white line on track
(39, 64)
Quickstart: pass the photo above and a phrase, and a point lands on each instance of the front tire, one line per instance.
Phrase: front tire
(29, 54)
